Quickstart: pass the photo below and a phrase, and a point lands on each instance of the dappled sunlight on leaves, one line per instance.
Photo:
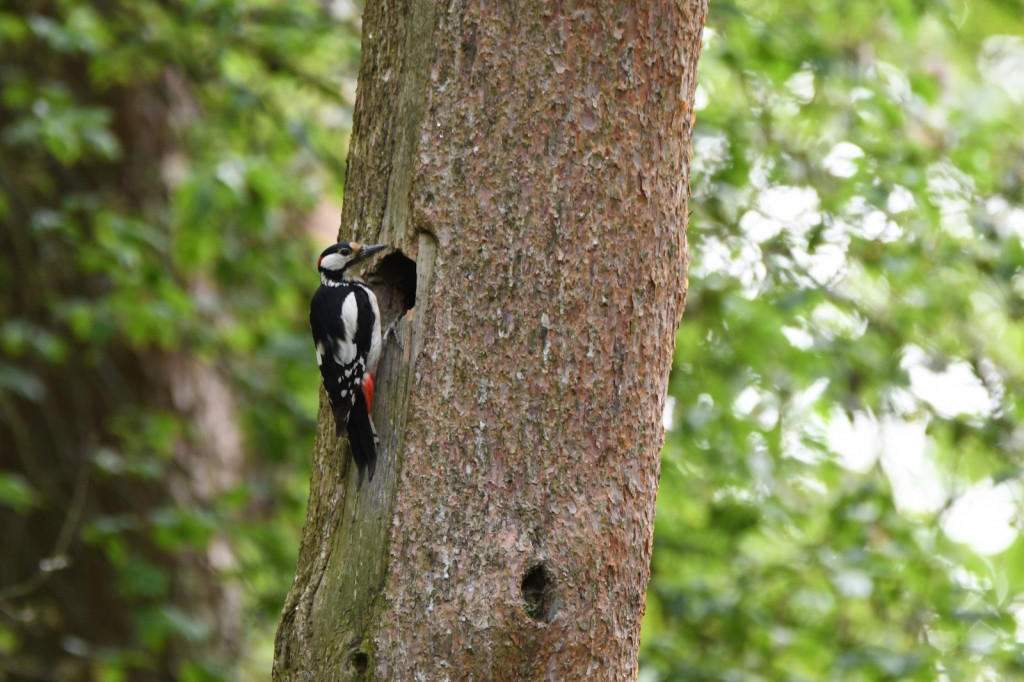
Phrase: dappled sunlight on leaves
(841, 488)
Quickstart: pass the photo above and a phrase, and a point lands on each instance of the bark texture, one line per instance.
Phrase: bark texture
(532, 158)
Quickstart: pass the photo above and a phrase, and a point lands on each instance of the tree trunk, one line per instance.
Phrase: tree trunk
(532, 159)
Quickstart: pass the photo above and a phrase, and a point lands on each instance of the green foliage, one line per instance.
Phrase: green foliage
(848, 367)
(159, 162)
(16, 492)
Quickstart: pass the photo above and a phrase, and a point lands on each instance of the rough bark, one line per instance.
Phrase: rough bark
(532, 158)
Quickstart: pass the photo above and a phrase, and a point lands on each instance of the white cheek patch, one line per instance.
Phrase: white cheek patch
(333, 261)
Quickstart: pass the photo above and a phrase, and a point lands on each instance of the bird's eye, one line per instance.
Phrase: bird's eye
(345, 252)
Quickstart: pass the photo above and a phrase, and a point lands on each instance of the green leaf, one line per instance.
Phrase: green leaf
(17, 493)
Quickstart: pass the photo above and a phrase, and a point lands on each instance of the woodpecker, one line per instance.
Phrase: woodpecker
(346, 332)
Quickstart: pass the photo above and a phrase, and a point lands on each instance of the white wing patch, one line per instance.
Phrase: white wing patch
(319, 354)
(350, 316)
(344, 351)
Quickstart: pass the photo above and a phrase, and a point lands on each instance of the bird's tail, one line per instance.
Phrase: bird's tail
(362, 437)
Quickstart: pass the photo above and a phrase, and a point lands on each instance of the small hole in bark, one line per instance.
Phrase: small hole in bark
(537, 593)
(394, 282)
(360, 662)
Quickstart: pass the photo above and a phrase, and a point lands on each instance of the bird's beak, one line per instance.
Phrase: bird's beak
(368, 251)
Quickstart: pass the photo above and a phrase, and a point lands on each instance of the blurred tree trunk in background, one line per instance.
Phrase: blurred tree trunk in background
(533, 160)
(108, 452)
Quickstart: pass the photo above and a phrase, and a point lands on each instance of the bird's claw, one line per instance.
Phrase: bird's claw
(392, 332)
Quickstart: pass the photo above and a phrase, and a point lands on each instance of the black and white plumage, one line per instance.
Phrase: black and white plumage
(346, 332)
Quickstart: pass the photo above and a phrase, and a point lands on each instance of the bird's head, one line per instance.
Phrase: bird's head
(338, 258)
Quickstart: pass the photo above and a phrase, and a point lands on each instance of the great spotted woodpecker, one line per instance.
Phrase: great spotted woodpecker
(346, 332)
